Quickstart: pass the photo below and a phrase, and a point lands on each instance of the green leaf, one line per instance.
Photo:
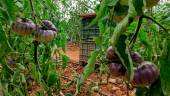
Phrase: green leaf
(50, 4)
(36, 74)
(4, 14)
(23, 78)
(65, 60)
(112, 3)
(4, 45)
(10, 7)
(98, 40)
(44, 71)
(47, 53)
(101, 25)
(89, 68)
(155, 89)
(19, 5)
(19, 92)
(119, 30)
(142, 91)
(26, 8)
(165, 69)
(25, 4)
(144, 38)
(122, 50)
(138, 4)
(120, 10)
(63, 39)
(20, 66)
(1, 90)
(101, 11)
(53, 79)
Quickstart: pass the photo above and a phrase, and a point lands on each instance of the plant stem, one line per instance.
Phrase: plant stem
(7, 41)
(139, 25)
(150, 18)
(136, 31)
(32, 8)
(35, 53)
(35, 42)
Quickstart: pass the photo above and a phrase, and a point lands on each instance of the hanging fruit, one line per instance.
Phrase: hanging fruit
(117, 69)
(46, 32)
(23, 26)
(49, 25)
(145, 74)
(136, 57)
(112, 56)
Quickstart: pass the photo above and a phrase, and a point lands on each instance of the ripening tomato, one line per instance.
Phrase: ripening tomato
(136, 57)
(46, 32)
(145, 74)
(112, 56)
(23, 26)
(116, 69)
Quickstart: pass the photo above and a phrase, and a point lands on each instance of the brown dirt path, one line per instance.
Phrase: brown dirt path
(73, 52)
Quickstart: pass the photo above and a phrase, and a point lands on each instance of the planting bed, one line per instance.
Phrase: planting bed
(92, 86)
(115, 86)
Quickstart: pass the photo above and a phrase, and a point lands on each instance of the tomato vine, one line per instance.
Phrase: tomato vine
(121, 40)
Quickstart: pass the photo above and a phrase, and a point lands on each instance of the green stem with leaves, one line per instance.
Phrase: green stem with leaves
(35, 42)
(150, 18)
(136, 31)
(115, 39)
(133, 40)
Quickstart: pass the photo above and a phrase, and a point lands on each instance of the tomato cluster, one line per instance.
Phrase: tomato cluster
(115, 66)
(145, 72)
(45, 32)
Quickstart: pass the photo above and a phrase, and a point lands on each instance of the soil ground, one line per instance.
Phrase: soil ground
(92, 86)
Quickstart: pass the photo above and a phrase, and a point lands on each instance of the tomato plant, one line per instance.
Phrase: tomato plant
(120, 22)
(29, 35)
(133, 43)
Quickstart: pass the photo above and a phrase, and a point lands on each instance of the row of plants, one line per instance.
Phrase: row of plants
(31, 32)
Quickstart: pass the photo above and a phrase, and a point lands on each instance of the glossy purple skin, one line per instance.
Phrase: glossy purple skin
(116, 69)
(145, 74)
(46, 32)
(111, 55)
(136, 57)
(137, 77)
(45, 35)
